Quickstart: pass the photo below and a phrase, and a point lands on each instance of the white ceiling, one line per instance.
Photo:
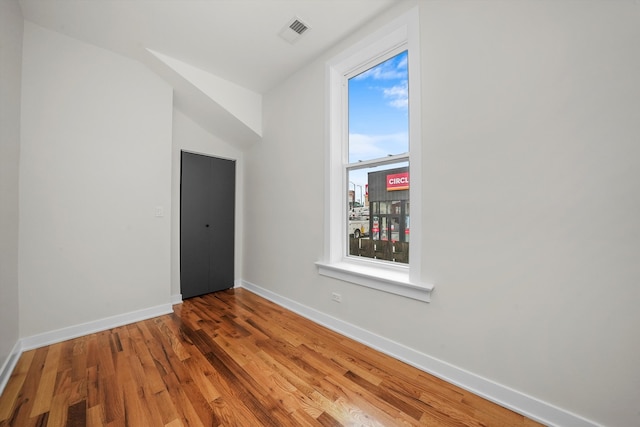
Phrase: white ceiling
(236, 40)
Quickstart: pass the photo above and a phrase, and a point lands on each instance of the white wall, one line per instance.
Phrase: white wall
(11, 24)
(189, 136)
(95, 163)
(533, 196)
(531, 189)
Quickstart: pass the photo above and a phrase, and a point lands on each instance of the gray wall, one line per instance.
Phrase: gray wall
(531, 200)
(11, 24)
(95, 164)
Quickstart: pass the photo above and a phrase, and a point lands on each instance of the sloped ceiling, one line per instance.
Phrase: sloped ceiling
(210, 51)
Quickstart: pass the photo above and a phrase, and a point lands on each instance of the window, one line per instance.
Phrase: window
(373, 140)
(378, 158)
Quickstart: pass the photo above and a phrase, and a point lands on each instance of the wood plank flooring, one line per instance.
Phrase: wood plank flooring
(231, 359)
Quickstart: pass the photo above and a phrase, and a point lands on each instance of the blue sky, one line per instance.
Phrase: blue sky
(378, 113)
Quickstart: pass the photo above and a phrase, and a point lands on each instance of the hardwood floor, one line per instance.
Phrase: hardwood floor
(233, 359)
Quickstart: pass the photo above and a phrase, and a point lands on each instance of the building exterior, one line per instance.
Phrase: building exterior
(389, 204)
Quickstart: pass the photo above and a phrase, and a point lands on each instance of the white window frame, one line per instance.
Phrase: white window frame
(399, 279)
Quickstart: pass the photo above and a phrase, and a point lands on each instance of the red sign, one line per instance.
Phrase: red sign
(398, 181)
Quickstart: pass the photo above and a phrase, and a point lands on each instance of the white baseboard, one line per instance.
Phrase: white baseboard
(76, 331)
(507, 397)
(59, 335)
(176, 299)
(9, 365)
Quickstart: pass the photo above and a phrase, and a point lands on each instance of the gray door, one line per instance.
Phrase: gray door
(207, 202)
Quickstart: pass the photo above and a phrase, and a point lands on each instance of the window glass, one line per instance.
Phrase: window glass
(378, 111)
(378, 166)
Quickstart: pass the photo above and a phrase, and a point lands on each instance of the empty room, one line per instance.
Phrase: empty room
(319, 212)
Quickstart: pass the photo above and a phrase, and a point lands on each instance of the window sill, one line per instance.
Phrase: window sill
(384, 279)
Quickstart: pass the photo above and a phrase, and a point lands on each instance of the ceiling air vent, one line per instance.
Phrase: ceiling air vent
(294, 30)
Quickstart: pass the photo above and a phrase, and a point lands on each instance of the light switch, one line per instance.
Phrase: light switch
(159, 211)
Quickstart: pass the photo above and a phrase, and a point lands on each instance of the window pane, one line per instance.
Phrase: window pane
(378, 111)
(378, 220)
(406, 221)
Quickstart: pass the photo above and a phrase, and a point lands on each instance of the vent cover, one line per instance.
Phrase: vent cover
(298, 27)
(294, 30)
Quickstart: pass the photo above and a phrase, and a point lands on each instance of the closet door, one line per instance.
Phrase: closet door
(207, 212)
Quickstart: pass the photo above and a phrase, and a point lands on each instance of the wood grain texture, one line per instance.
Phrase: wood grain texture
(231, 359)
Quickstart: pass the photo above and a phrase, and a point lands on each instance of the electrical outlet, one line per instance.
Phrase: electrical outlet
(336, 297)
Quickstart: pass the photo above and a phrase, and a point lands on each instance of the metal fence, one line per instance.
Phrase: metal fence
(380, 249)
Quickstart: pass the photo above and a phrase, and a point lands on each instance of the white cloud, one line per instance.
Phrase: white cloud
(366, 147)
(399, 95)
(393, 71)
(388, 70)
(382, 73)
(402, 65)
